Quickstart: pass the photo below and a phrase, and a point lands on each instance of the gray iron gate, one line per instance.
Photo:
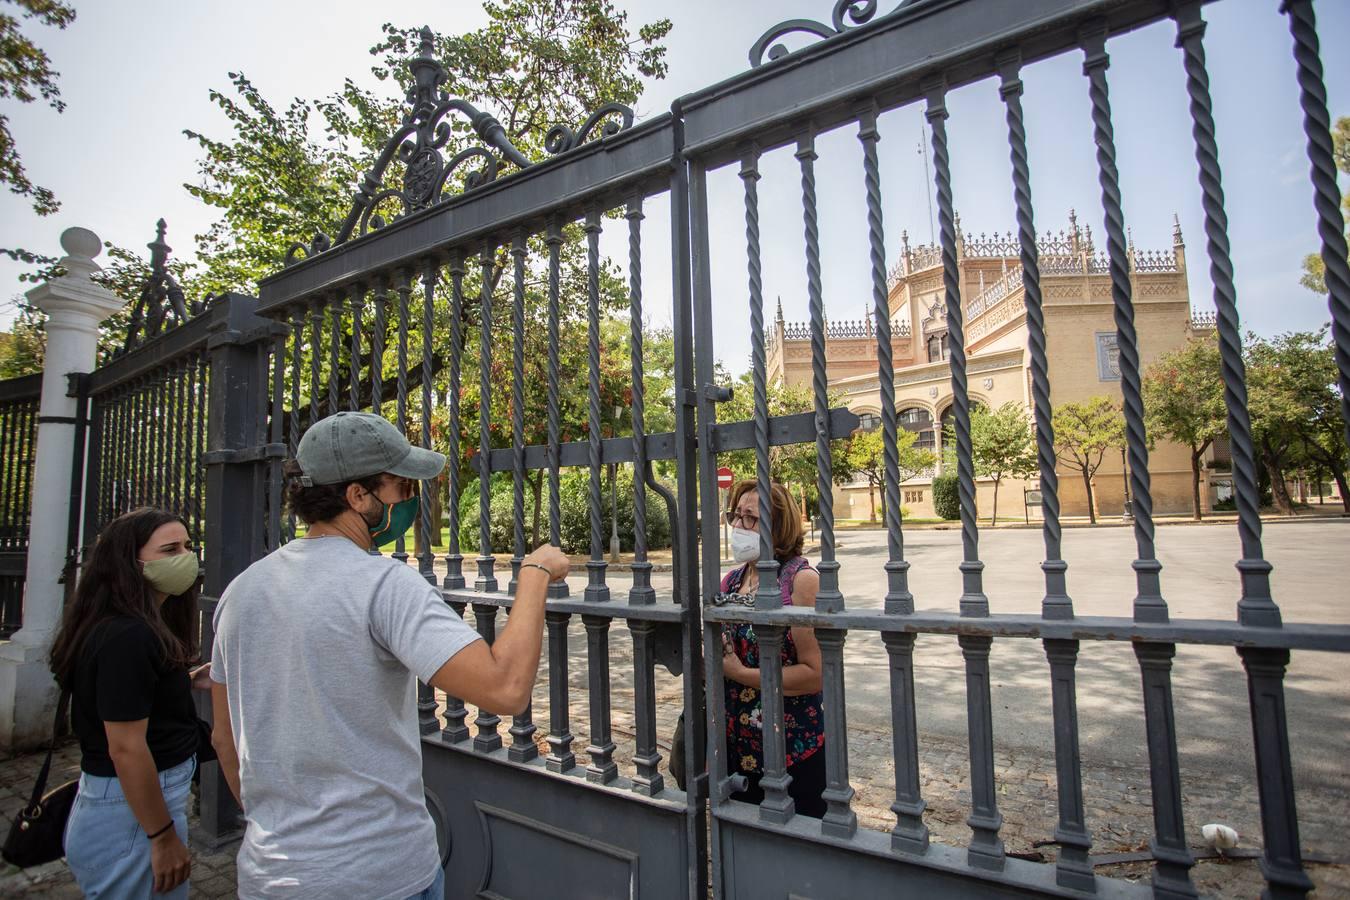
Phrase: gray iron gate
(332, 318)
(18, 440)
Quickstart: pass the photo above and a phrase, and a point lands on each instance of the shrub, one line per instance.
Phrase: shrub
(946, 497)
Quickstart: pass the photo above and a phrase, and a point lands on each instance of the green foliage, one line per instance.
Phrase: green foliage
(1183, 400)
(1083, 433)
(1001, 445)
(26, 75)
(1314, 270)
(946, 497)
(865, 455)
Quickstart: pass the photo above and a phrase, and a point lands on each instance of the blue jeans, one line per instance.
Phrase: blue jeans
(436, 891)
(105, 846)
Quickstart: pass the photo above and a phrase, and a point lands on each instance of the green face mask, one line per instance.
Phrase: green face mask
(171, 574)
(395, 520)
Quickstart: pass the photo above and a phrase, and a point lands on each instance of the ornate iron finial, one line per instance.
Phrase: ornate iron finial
(859, 12)
(561, 138)
(160, 305)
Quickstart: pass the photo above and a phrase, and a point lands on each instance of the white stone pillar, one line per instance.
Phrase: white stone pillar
(75, 306)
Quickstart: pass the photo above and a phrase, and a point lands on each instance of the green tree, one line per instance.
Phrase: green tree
(1001, 445)
(1183, 400)
(1314, 270)
(866, 456)
(26, 75)
(1295, 407)
(1083, 433)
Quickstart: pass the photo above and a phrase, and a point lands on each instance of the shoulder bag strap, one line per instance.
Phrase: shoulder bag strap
(40, 787)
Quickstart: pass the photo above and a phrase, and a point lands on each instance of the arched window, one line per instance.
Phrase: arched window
(920, 421)
(869, 421)
(937, 347)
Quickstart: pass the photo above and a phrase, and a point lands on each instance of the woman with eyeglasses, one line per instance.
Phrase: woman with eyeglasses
(798, 582)
(124, 651)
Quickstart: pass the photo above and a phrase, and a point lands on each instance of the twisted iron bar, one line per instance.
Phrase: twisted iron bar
(334, 352)
(596, 590)
(1149, 605)
(315, 357)
(1255, 606)
(403, 286)
(766, 594)
(354, 370)
(454, 560)
(898, 596)
(486, 580)
(425, 558)
(377, 347)
(828, 599)
(1056, 604)
(553, 239)
(973, 600)
(293, 438)
(641, 593)
(1326, 191)
(518, 252)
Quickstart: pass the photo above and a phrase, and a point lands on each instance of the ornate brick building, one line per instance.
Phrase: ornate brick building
(1081, 345)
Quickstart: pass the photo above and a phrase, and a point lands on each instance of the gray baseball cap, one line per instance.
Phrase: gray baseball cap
(347, 446)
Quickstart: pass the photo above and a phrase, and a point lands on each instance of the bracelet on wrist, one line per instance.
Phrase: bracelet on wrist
(151, 837)
(545, 569)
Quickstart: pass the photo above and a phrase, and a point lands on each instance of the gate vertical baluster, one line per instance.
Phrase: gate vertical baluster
(169, 424)
(454, 560)
(596, 589)
(1312, 97)
(293, 438)
(839, 820)
(354, 368)
(334, 352)
(560, 757)
(648, 780)
(119, 440)
(487, 739)
(518, 251)
(986, 848)
(909, 834)
(377, 337)
(1072, 869)
(403, 286)
(9, 429)
(144, 441)
(107, 412)
(261, 469)
(641, 593)
(425, 558)
(276, 437)
(553, 239)
(455, 731)
(777, 806)
(203, 375)
(522, 726)
(602, 769)
(1171, 875)
(487, 579)
(315, 358)
(179, 423)
(1255, 607)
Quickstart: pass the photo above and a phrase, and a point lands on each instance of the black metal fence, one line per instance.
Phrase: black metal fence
(18, 441)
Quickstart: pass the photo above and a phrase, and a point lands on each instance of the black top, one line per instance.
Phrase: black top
(121, 677)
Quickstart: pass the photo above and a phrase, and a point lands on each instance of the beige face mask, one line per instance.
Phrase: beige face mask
(171, 574)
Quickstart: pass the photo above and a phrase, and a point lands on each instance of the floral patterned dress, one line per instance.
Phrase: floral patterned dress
(803, 720)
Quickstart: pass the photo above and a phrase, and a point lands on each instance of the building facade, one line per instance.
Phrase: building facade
(1080, 344)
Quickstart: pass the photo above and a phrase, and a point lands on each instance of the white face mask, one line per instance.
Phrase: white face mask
(744, 545)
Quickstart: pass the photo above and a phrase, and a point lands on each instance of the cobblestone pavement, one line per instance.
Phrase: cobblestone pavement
(1215, 746)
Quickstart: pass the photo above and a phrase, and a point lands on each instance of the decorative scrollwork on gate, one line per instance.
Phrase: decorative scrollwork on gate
(161, 304)
(858, 12)
(561, 138)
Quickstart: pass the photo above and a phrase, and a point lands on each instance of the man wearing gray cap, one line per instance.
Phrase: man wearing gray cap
(316, 648)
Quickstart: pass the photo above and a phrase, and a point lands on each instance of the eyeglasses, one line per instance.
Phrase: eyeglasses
(740, 520)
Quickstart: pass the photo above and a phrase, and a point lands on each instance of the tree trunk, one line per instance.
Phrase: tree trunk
(1087, 483)
(1279, 490)
(1195, 483)
(993, 517)
(1339, 475)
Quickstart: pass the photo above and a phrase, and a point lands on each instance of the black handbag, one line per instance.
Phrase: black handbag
(38, 833)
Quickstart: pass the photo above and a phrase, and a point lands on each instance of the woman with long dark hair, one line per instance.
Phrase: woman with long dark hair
(124, 650)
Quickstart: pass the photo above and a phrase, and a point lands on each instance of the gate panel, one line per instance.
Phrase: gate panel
(847, 81)
(19, 399)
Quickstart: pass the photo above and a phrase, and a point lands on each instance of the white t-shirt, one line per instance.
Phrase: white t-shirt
(318, 644)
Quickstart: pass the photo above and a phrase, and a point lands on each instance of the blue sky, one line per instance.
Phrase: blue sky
(136, 73)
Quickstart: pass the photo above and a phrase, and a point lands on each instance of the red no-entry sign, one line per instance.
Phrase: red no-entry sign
(725, 477)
